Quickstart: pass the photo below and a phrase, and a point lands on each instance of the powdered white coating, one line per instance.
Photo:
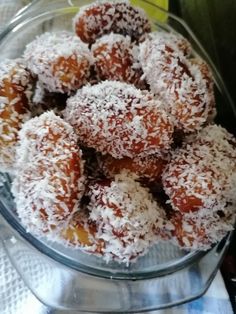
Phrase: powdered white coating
(102, 17)
(204, 169)
(126, 216)
(180, 83)
(115, 59)
(60, 60)
(117, 118)
(15, 94)
(49, 181)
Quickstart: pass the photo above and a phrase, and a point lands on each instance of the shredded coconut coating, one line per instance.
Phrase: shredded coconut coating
(118, 119)
(15, 93)
(60, 60)
(202, 174)
(126, 216)
(114, 56)
(49, 182)
(149, 168)
(181, 83)
(104, 17)
(217, 138)
(200, 233)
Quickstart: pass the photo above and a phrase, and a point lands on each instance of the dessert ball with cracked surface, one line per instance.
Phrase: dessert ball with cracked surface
(193, 232)
(148, 169)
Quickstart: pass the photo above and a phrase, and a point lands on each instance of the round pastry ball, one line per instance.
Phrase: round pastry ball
(49, 181)
(16, 86)
(115, 59)
(196, 232)
(81, 233)
(99, 18)
(185, 86)
(127, 217)
(119, 119)
(60, 60)
(202, 174)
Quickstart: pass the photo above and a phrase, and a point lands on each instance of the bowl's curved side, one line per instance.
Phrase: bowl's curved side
(60, 287)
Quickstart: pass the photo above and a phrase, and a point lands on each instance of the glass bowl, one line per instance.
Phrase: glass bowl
(65, 278)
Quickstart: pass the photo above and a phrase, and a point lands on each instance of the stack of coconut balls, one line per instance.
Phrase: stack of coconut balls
(109, 134)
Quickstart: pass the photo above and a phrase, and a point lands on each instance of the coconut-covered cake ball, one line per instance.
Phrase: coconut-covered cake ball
(194, 232)
(126, 216)
(60, 60)
(104, 17)
(50, 181)
(202, 174)
(115, 59)
(15, 93)
(119, 119)
(182, 84)
(218, 139)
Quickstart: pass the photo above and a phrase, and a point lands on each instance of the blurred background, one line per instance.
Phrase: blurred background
(214, 24)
